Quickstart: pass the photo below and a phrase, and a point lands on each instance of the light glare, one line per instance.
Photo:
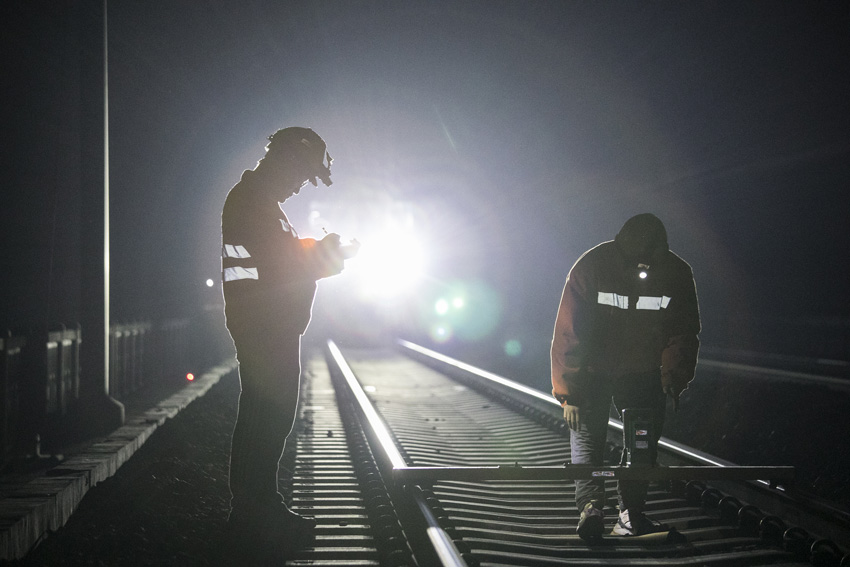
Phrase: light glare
(389, 265)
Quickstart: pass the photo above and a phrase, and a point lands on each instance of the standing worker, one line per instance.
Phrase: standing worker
(626, 331)
(269, 279)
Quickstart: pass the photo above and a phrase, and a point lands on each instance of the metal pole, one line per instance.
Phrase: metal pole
(106, 321)
(98, 412)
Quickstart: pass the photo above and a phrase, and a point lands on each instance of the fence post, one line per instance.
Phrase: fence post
(11, 348)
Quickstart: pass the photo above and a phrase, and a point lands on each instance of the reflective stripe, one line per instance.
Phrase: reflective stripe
(653, 303)
(240, 273)
(613, 299)
(237, 251)
(643, 302)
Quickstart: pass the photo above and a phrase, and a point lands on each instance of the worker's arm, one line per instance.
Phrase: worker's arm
(679, 358)
(569, 343)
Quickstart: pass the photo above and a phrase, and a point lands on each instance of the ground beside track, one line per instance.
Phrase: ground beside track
(166, 505)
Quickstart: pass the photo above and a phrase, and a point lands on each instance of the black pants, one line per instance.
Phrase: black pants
(587, 445)
(269, 358)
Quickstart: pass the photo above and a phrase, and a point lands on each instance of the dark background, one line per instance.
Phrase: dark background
(515, 134)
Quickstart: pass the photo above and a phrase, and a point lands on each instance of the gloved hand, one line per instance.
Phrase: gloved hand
(330, 255)
(670, 391)
(350, 250)
(572, 415)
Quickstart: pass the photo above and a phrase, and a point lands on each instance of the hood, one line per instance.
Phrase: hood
(642, 239)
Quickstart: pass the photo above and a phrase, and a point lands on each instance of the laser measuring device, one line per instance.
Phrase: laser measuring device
(637, 433)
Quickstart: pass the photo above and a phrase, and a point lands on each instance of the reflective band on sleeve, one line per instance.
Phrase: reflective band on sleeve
(237, 251)
(613, 299)
(240, 273)
(653, 303)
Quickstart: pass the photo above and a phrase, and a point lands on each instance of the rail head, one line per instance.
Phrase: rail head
(441, 543)
(382, 434)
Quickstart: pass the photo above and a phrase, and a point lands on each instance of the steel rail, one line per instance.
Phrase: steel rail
(514, 514)
(711, 468)
(390, 452)
(410, 474)
(778, 374)
(442, 544)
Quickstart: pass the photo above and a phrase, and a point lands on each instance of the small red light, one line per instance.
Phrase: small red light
(190, 376)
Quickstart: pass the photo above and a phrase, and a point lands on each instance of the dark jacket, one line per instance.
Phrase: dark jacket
(268, 273)
(612, 321)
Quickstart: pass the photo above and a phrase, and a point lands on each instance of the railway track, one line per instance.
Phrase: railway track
(409, 458)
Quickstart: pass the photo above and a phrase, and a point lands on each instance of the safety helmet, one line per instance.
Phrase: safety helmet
(304, 147)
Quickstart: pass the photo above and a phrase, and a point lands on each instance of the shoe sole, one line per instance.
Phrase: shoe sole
(592, 528)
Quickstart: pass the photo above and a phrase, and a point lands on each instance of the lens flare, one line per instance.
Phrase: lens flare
(441, 333)
(441, 307)
(513, 347)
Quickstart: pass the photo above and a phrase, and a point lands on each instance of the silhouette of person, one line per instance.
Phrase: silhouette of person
(626, 331)
(269, 279)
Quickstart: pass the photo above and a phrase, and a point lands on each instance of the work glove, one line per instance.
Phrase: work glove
(350, 250)
(572, 415)
(330, 256)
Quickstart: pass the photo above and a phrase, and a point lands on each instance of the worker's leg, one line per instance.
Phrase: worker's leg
(587, 445)
(269, 371)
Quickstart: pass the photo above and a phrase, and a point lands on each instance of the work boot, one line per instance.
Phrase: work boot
(591, 523)
(634, 523)
(273, 524)
(282, 516)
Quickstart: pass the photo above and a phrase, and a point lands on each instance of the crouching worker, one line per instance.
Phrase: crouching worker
(269, 279)
(626, 332)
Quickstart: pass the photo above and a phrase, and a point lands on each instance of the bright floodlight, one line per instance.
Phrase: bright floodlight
(210, 283)
(389, 265)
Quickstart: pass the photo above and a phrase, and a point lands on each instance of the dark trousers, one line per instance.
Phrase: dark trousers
(269, 373)
(587, 445)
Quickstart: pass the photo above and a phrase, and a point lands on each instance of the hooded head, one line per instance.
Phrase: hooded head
(643, 239)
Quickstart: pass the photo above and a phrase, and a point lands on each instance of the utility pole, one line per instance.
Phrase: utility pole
(99, 410)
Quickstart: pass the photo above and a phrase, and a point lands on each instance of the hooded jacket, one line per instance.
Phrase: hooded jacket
(629, 306)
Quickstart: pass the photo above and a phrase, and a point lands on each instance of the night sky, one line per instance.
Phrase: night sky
(515, 135)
